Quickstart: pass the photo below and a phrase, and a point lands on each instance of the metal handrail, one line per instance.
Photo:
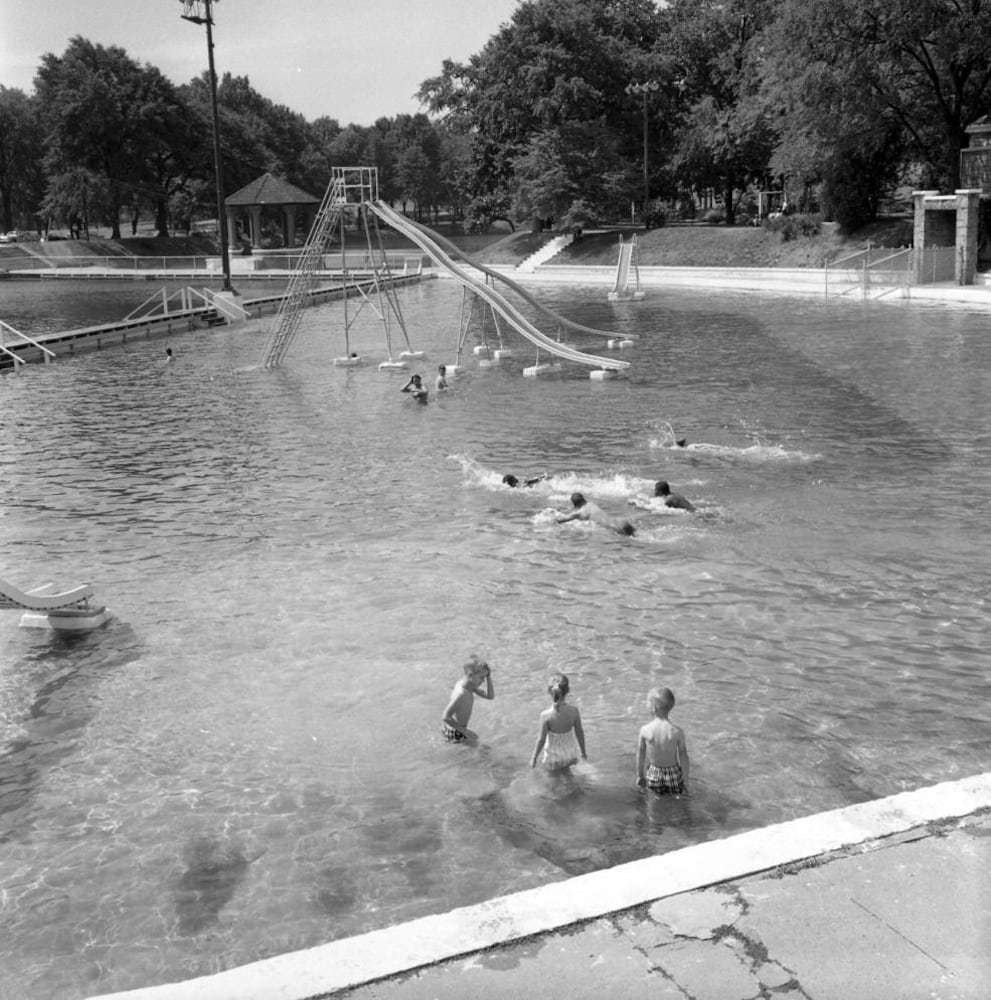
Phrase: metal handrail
(26, 339)
(232, 310)
(884, 260)
(18, 360)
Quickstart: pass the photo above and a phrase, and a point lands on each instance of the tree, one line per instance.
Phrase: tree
(21, 150)
(920, 64)
(172, 139)
(314, 161)
(558, 71)
(725, 136)
(73, 196)
(103, 112)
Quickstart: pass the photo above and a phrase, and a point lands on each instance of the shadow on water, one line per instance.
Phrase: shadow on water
(59, 710)
(580, 826)
(215, 866)
(833, 405)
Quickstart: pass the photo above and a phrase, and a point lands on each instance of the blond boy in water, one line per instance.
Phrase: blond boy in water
(662, 756)
(454, 724)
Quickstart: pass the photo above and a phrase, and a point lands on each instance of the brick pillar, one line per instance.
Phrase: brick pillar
(968, 200)
(922, 231)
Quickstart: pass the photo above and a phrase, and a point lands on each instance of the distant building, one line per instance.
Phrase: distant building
(263, 198)
(975, 160)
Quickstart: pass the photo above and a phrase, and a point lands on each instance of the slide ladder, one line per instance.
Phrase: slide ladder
(286, 322)
(627, 268)
(433, 245)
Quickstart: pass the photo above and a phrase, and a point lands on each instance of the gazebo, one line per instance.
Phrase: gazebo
(268, 193)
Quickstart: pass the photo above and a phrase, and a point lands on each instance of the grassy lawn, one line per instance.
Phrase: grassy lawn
(675, 245)
(701, 245)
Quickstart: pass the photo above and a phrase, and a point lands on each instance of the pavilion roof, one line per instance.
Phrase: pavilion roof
(269, 190)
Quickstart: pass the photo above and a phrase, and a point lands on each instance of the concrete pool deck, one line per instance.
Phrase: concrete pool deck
(884, 900)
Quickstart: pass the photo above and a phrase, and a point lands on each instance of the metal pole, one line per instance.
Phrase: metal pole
(646, 173)
(644, 88)
(217, 160)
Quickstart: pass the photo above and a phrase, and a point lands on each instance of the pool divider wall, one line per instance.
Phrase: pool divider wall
(70, 342)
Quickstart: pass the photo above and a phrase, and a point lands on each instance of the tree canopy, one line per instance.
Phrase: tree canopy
(559, 116)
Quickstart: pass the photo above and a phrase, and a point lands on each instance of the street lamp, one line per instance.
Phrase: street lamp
(199, 12)
(645, 88)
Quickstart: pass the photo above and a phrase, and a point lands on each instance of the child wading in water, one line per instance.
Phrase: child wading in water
(454, 724)
(662, 749)
(561, 735)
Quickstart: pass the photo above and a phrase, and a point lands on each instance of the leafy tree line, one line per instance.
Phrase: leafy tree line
(103, 138)
(839, 100)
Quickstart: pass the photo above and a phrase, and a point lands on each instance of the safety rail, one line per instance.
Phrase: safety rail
(335, 261)
(876, 267)
(112, 262)
(24, 338)
(189, 299)
(902, 257)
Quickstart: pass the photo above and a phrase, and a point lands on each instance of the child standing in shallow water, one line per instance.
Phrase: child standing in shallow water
(454, 724)
(561, 735)
(662, 756)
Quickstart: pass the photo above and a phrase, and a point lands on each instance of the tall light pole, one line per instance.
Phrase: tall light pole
(644, 88)
(199, 12)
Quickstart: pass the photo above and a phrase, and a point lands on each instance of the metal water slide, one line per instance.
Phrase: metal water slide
(456, 253)
(431, 244)
(623, 266)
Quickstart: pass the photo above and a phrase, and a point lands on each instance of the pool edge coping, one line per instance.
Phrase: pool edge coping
(401, 948)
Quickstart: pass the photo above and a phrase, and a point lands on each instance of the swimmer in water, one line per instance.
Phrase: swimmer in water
(512, 482)
(415, 388)
(586, 511)
(663, 489)
(476, 680)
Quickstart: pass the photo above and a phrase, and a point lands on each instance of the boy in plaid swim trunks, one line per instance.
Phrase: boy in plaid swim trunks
(662, 756)
(454, 723)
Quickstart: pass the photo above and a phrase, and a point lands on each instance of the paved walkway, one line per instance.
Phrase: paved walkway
(904, 918)
(885, 900)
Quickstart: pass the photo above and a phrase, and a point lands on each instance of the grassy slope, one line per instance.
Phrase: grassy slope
(680, 245)
(698, 245)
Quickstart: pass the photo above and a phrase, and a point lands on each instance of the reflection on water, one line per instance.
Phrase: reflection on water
(247, 759)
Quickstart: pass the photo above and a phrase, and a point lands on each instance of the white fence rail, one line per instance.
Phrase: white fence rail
(876, 272)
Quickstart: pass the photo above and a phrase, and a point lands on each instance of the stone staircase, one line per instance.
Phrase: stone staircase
(550, 249)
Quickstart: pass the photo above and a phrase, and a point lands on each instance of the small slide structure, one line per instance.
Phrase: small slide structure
(68, 611)
(442, 253)
(627, 267)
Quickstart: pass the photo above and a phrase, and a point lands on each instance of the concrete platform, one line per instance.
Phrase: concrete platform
(885, 900)
(832, 285)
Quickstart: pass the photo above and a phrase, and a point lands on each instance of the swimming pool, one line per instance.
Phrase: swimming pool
(247, 759)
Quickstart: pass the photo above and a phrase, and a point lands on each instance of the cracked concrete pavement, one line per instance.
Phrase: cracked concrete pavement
(900, 918)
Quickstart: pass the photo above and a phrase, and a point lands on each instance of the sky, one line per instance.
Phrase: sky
(353, 60)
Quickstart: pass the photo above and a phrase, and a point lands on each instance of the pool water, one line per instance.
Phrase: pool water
(247, 759)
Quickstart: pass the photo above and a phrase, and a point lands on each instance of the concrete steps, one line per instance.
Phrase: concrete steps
(550, 249)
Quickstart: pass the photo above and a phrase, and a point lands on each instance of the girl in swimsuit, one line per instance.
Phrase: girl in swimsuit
(561, 735)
